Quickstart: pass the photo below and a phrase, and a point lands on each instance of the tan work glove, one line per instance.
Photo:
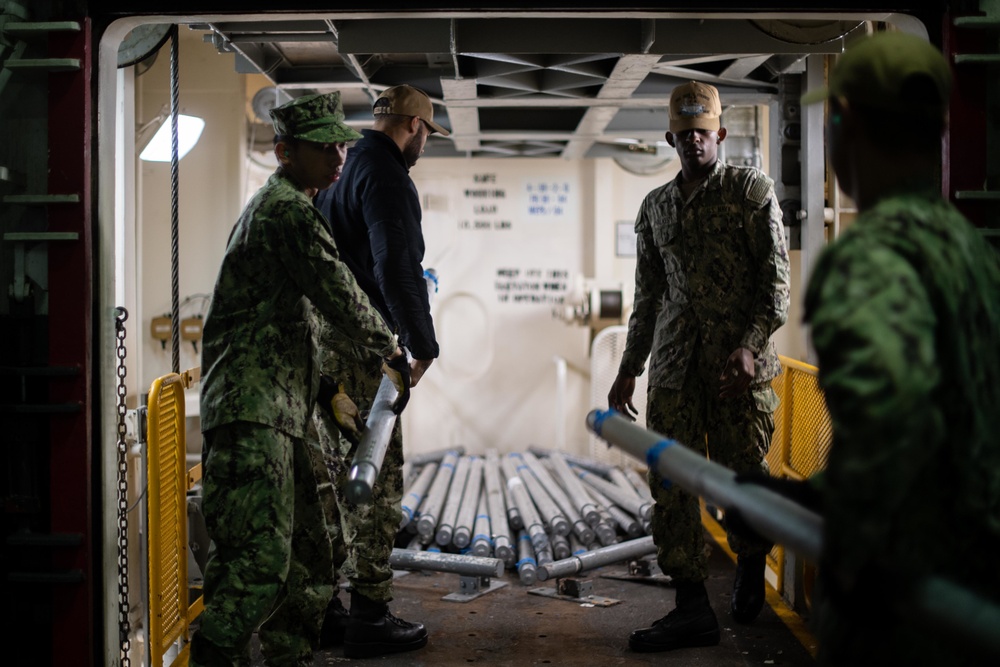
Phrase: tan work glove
(339, 405)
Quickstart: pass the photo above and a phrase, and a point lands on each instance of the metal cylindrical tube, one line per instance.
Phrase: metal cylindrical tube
(628, 523)
(514, 517)
(430, 510)
(629, 502)
(367, 462)
(405, 559)
(464, 522)
(770, 514)
(453, 502)
(411, 501)
(481, 540)
(592, 559)
(546, 505)
(529, 514)
(618, 478)
(435, 456)
(574, 489)
(560, 547)
(580, 527)
(640, 483)
(526, 564)
(543, 556)
(570, 511)
(496, 504)
(593, 465)
(605, 531)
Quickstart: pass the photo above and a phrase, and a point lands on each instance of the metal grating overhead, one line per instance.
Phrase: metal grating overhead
(523, 85)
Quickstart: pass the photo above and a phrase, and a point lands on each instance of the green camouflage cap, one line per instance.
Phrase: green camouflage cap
(318, 118)
(877, 72)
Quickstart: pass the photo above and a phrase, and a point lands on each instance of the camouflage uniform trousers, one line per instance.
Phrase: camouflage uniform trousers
(735, 433)
(361, 536)
(270, 560)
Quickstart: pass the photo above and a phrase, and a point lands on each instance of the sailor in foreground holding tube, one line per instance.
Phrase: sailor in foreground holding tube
(269, 567)
(904, 311)
(711, 286)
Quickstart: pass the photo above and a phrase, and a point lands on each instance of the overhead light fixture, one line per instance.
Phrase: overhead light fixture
(158, 148)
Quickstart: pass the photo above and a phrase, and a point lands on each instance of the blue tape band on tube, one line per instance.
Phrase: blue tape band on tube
(409, 512)
(480, 536)
(482, 516)
(447, 465)
(521, 467)
(599, 419)
(653, 458)
(524, 537)
(653, 455)
(525, 560)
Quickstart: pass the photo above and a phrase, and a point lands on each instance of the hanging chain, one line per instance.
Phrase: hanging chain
(124, 630)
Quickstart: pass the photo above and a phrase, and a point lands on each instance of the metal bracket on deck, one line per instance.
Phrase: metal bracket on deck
(575, 590)
(471, 587)
(642, 570)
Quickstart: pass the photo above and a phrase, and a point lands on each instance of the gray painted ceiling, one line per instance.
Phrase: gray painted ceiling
(565, 86)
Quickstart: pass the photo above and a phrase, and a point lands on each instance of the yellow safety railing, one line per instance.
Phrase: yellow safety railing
(170, 615)
(802, 435)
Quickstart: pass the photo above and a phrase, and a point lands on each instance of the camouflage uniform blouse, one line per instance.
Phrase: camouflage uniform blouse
(259, 361)
(711, 271)
(905, 315)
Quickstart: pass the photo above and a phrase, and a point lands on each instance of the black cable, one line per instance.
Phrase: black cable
(175, 325)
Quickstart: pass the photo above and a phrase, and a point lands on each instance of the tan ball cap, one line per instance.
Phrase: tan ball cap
(695, 106)
(407, 101)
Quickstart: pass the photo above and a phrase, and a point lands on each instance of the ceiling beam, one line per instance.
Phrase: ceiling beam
(628, 73)
(741, 68)
(464, 121)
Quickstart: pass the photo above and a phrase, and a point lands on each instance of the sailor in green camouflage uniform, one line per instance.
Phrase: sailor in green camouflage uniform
(905, 315)
(712, 285)
(362, 535)
(271, 561)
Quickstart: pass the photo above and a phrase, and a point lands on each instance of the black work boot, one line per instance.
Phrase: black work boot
(334, 624)
(373, 630)
(691, 623)
(748, 588)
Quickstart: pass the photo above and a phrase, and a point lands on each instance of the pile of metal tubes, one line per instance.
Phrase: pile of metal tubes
(544, 513)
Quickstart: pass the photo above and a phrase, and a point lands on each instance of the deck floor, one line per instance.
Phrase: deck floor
(511, 627)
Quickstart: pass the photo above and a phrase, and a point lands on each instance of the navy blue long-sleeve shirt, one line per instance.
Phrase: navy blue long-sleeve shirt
(374, 212)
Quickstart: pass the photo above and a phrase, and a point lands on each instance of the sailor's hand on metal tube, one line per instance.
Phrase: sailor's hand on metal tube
(620, 396)
(417, 369)
(397, 369)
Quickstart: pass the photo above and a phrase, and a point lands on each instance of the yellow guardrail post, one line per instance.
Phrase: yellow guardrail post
(170, 614)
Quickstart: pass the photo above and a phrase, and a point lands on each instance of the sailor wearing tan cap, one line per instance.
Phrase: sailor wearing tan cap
(374, 212)
(711, 286)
